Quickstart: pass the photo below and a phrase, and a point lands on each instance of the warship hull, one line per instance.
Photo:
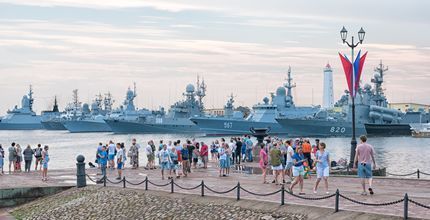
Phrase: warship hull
(53, 125)
(20, 126)
(131, 127)
(319, 128)
(388, 129)
(86, 126)
(223, 126)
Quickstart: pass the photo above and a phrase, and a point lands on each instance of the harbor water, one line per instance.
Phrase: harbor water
(398, 154)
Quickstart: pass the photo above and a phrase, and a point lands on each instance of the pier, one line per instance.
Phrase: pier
(389, 198)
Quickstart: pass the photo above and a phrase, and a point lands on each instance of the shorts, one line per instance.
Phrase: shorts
(111, 156)
(288, 165)
(195, 160)
(38, 159)
(279, 167)
(120, 166)
(204, 159)
(45, 165)
(1, 162)
(223, 163)
(298, 171)
(165, 166)
(323, 172)
(364, 171)
(150, 157)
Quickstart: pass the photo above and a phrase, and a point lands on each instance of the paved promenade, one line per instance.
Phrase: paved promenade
(386, 189)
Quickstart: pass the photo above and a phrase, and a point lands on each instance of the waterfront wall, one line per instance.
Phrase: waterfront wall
(17, 196)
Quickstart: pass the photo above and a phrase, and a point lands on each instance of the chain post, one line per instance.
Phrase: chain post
(146, 183)
(104, 181)
(283, 195)
(336, 204)
(405, 206)
(123, 182)
(171, 186)
(238, 191)
(203, 188)
(418, 173)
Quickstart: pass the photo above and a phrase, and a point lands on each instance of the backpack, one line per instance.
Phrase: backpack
(38, 152)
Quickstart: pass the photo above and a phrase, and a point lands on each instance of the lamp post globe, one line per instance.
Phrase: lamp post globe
(343, 34)
(361, 34)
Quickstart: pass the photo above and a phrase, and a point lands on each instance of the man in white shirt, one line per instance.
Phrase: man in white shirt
(149, 155)
(111, 154)
(119, 158)
(289, 163)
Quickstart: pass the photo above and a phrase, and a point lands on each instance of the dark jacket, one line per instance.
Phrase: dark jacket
(28, 154)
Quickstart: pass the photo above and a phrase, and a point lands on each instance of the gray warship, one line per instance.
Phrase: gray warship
(373, 117)
(176, 120)
(23, 118)
(90, 120)
(262, 116)
(50, 119)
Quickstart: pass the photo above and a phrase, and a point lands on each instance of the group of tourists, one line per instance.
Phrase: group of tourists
(17, 155)
(290, 160)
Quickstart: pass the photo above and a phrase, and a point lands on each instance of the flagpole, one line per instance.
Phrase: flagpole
(343, 34)
(353, 139)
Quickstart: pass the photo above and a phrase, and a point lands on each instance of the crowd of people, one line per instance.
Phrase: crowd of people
(290, 160)
(17, 155)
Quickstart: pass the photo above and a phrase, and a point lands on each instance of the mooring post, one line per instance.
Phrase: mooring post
(146, 183)
(81, 179)
(123, 182)
(418, 173)
(171, 186)
(283, 195)
(405, 206)
(203, 188)
(238, 191)
(336, 203)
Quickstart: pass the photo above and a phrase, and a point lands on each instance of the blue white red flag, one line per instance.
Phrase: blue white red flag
(353, 70)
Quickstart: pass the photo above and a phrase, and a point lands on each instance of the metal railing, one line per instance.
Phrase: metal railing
(238, 188)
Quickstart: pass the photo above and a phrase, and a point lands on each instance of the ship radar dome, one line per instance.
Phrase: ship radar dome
(130, 93)
(189, 88)
(280, 91)
(266, 100)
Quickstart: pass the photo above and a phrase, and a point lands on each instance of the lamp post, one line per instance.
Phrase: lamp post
(352, 45)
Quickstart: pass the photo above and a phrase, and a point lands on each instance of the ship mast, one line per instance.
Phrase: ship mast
(30, 98)
(55, 109)
(378, 80)
(201, 92)
(289, 85)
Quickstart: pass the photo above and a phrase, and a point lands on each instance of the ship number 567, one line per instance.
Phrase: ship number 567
(337, 129)
(228, 124)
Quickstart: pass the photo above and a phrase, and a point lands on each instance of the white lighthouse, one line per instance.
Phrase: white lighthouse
(328, 99)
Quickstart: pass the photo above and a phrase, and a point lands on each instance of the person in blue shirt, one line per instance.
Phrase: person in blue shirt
(185, 160)
(298, 170)
(103, 158)
(323, 166)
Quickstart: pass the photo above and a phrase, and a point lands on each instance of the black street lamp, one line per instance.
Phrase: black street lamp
(352, 45)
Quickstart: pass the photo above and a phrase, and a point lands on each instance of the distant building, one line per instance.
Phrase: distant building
(404, 107)
(215, 111)
(328, 99)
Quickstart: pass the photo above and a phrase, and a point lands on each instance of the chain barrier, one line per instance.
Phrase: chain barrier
(372, 204)
(419, 204)
(311, 198)
(421, 172)
(91, 179)
(220, 192)
(260, 194)
(408, 174)
(135, 184)
(159, 185)
(113, 182)
(187, 188)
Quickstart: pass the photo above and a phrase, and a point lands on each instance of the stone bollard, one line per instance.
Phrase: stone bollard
(81, 179)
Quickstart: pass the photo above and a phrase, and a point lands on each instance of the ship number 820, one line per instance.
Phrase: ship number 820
(337, 129)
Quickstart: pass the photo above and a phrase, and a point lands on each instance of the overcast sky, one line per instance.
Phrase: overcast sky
(240, 47)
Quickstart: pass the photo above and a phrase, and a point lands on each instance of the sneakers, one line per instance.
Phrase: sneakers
(371, 191)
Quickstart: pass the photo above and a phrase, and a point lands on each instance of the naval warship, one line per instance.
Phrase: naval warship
(49, 118)
(91, 120)
(373, 117)
(262, 116)
(176, 120)
(23, 118)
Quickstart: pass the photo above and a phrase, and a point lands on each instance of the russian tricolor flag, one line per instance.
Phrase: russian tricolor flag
(355, 69)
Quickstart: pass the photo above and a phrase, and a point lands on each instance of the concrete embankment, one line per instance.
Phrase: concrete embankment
(17, 196)
(94, 202)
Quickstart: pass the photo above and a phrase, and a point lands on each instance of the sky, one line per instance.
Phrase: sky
(239, 47)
